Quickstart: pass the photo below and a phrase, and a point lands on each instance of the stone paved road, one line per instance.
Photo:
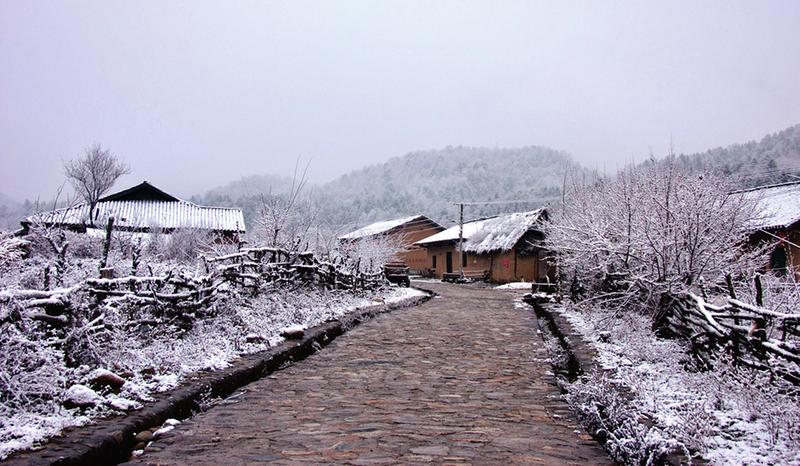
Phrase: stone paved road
(459, 379)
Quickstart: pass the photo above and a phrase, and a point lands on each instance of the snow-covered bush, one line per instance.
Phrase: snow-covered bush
(185, 245)
(650, 399)
(648, 231)
(619, 423)
(372, 253)
(12, 249)
(84, 246)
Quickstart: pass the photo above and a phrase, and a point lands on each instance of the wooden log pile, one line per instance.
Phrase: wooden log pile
(754, 336)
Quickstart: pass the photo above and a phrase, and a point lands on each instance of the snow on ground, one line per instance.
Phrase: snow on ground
(156, 360)
(426, 280)
(515, 286)
(402, 294)
(729, 415)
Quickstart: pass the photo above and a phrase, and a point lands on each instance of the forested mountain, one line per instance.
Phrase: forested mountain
(428, 182)
(247, 193)
(11, 212)
(773, 159)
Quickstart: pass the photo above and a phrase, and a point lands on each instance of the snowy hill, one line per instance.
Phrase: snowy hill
(424, 182)
(11, 212)
(245, 193)
(773, 159)
(428, 182)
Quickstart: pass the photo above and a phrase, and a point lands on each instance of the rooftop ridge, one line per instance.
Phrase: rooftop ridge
(767, 186)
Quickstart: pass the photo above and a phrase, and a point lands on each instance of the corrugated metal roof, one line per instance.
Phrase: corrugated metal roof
(496, 233)
(150, 214)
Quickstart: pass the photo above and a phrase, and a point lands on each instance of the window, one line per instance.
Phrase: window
(434, 262)
(464, 259)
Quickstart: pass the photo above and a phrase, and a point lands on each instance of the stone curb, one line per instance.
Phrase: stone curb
(110, 440)
(580, 359)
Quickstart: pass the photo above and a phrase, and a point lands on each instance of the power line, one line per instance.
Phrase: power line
(516, 201)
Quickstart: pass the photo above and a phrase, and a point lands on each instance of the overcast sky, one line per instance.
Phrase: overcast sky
(195, 94)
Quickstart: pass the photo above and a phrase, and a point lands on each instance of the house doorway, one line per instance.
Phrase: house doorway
(449, 262)
(778, 261)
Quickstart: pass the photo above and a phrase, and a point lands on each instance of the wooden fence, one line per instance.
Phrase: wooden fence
(754, 336)
(183, 297)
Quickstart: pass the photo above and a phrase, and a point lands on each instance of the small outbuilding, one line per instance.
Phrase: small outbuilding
(406, 232)
(502, 249)
(777, 220)
(144, 208)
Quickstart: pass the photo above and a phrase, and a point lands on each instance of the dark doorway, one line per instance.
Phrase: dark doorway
(778, 261)
(449, 262)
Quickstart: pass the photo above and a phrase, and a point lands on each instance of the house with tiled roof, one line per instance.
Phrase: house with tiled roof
(144, 208)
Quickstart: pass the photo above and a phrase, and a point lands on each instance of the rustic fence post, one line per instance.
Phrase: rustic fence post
(759, 328)
(106, 244)
(759, 291)
(734, 337)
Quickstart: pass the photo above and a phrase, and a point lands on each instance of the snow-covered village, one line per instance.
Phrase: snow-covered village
(360, 233)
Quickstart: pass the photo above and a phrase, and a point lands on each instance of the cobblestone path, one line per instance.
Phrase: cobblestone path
(460, 379)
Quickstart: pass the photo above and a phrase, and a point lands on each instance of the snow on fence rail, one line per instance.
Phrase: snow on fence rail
(183, 296)
(738, 327)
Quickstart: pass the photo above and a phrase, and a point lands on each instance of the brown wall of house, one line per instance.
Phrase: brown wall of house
(415, 257)
(503, 267)
(792, 252)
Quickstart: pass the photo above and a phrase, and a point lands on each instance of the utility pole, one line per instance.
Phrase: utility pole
(461, 240)
(461, 205)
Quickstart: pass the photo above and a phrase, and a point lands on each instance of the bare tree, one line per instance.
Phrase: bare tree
(285, 220)
(649, 230)
(94, 174)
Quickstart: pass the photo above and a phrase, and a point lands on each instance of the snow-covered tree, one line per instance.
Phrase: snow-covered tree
(373, 252)
(284, 220)
(651, 229)
(12, 249)
(94, 174)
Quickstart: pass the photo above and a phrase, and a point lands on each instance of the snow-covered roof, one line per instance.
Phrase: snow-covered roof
(495, 233)
(451, 234)
(139, 215)
(777, 206)
(502, 232)
(378, 228)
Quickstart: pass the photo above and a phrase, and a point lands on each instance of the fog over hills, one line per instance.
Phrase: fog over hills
(426, 182)
(773, 159)
(430, 181)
